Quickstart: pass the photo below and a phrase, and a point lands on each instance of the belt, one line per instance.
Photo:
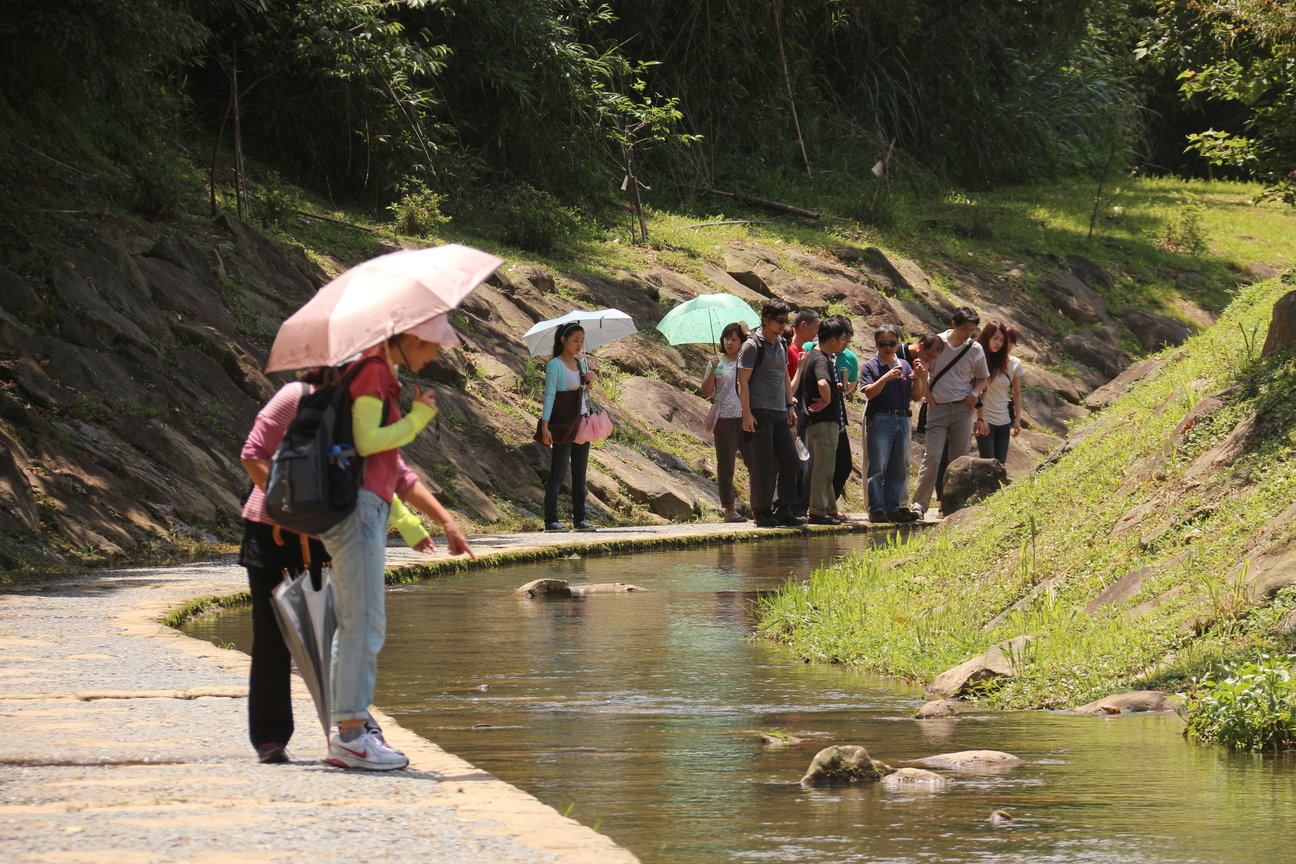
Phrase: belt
(954, 401)
(889, 412)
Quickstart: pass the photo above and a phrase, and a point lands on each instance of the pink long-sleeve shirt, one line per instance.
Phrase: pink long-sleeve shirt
(268, 430)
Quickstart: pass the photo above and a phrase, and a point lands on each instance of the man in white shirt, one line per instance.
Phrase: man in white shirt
(956, 380)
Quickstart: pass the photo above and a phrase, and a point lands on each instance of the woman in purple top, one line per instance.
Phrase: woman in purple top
(890, 387)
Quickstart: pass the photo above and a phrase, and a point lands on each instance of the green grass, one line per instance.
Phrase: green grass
(1042, 549)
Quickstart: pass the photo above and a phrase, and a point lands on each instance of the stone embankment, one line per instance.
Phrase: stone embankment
(125, 740)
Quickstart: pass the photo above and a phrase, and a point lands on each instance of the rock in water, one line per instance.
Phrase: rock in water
(605, 588)
(842, 765)
(915, 778)
(544, 588)
(1137, 700)
(984, 671)
(938, 709)
(976, 761)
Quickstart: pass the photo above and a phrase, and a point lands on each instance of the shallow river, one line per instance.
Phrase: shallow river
(640, 714)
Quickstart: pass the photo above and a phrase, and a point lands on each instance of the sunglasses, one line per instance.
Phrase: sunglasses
(887, 344)
(779, 320)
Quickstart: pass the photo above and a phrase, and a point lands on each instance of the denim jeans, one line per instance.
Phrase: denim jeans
(358, 545)
(888, 462)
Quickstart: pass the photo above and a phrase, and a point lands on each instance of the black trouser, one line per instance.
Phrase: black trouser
(577, 455)
(774, 464)
(995, 445)
(844, 467)
(270, 719)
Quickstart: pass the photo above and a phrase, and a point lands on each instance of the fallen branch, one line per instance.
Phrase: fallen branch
(750, 199)
(335, 221)
(728, 222)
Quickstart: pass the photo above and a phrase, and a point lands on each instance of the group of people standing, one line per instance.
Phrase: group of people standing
(781, 392)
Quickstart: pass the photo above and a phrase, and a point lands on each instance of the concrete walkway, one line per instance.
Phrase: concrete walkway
(125, 740)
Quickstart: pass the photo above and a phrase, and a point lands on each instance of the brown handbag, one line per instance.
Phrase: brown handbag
(564, 420)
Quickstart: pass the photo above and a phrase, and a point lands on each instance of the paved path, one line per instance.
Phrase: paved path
(122, 739)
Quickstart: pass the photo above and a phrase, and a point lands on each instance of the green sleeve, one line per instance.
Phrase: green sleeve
(407, 523)
(372, 437)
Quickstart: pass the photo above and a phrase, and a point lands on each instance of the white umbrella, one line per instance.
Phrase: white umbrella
(601, 327)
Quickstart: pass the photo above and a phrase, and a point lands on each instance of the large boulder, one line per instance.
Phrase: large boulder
(664, 406)
(649, 485)
(1073, 299)
(1100, 349)
(1282, 326)
(982, 671)
(1121, 384)
(969, 480)
(1154, 331)
(1091, 272)
(92, 311)
(842, 765)
(17, 296)
(972, 761)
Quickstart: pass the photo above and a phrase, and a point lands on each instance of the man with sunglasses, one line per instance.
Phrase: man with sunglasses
(891, 387)
(769, 416)
(956, 379)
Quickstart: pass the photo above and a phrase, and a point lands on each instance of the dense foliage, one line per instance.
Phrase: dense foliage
(565, 98)
(1251, 705)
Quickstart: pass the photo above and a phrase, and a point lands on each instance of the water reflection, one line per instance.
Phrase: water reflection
(643, 713)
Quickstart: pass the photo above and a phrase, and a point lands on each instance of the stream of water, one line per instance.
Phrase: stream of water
(641, 714)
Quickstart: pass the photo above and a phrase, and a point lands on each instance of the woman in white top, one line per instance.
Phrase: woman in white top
(721, 379)
(998, 413)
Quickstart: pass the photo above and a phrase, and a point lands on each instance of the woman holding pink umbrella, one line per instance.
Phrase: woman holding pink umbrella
(392, 310)
(359, 542)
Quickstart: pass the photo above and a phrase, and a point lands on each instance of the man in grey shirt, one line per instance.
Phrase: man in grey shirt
(956, 380)
(765, 391)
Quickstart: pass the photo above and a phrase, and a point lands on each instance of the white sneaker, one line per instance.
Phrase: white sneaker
(366, 750)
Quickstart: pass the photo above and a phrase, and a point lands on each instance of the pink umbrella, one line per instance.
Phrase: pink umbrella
(374, 301)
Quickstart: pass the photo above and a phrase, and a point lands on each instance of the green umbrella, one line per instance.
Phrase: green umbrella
(702, 319)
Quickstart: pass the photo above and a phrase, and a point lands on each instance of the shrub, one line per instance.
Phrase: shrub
(418, 212)
(273, 203)
(534, 220)
(1248, 706)
(1184, 232)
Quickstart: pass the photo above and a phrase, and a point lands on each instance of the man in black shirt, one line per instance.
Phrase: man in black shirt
(825, 415)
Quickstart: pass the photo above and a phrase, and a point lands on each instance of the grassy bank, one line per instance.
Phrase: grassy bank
(1131, 494)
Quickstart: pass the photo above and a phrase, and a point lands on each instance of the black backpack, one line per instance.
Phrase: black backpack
(316, 473)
